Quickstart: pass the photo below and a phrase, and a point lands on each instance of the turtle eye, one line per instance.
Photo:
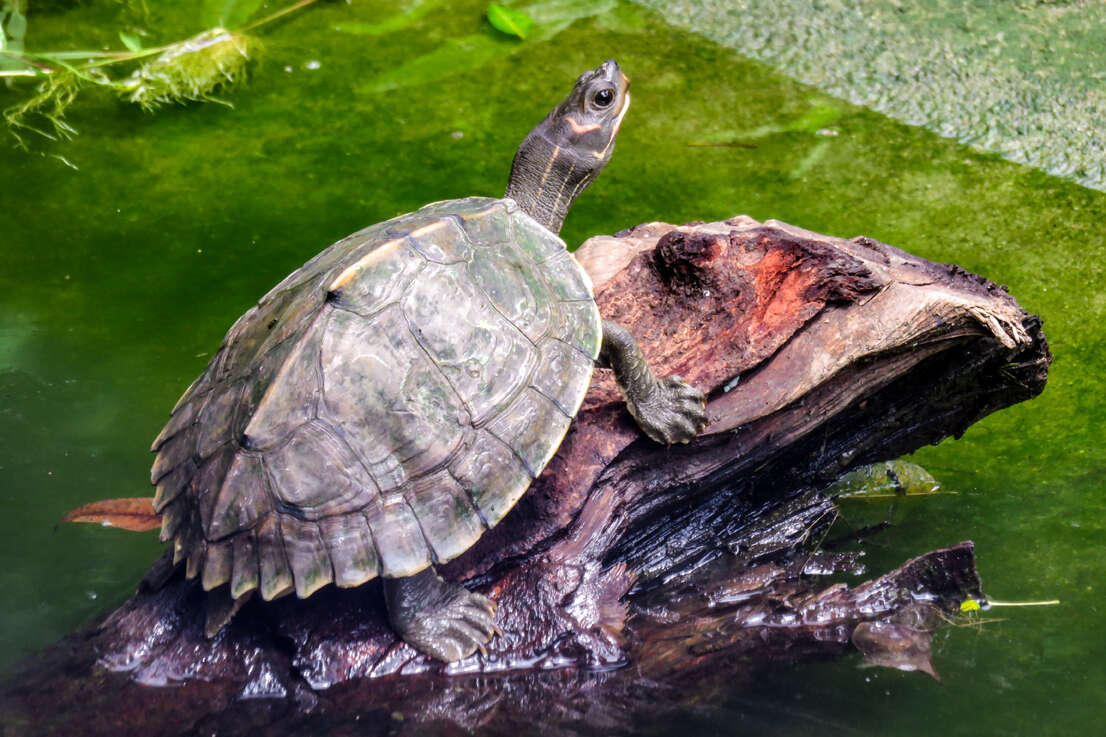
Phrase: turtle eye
(604, 97)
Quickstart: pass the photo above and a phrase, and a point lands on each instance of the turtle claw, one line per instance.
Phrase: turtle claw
(485, 603)
(441, 619)
(675, 412)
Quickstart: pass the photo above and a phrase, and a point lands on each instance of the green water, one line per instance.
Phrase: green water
(118, 279)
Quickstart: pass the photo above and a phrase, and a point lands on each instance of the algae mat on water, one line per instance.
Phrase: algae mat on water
(118, 279)
(1025, 78)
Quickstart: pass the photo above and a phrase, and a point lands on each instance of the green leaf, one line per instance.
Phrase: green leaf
(889, 478)
(455, 56)
(130, 41)
(391, 23)
(460, 55)
(623, 18)
(228, 13)
(816, 118)
(13, 28)
(510, 21)
(560, 12)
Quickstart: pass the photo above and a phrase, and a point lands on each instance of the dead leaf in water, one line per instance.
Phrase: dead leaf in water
(135, 514)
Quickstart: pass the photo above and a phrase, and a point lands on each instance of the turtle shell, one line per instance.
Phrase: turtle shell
(381, 407)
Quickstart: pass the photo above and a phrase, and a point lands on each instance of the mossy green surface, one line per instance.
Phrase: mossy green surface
(1022, 78)
(119, 277)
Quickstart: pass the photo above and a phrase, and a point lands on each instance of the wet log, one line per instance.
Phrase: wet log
(630, 573)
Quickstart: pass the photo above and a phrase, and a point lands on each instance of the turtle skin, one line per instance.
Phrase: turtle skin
(382, 406)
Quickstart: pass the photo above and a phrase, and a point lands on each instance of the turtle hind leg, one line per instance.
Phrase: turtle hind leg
(444, 620)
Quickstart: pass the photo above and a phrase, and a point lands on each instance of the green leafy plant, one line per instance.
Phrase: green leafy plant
(193, 69)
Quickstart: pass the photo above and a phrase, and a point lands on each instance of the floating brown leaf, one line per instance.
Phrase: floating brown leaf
(136, 514)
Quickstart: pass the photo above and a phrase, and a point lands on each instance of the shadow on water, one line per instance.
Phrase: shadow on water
(118, 279)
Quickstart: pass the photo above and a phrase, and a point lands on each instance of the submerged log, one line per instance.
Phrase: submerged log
(630, 570)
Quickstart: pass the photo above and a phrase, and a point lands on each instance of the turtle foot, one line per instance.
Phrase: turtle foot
(444, 620)
(673, 412)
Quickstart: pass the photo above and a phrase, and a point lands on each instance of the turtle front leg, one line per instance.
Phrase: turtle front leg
(668, 410)
(444, 620)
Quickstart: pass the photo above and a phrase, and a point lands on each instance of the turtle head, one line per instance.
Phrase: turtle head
(568, 149)
(586, 123)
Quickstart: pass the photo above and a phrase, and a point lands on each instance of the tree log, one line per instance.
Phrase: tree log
(630, 573)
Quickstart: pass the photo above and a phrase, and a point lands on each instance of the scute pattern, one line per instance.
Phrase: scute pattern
(382, 406)
(483, 357)
(493, 474)
(351, 547)
(393, 267)
(388, 397)
(532, 427)
(291, 398)
(243, 499)
(449, 521)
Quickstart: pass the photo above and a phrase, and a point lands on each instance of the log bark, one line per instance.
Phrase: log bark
(631, 575)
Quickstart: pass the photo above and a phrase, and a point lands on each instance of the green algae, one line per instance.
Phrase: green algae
(118, 279)
(1021, 79)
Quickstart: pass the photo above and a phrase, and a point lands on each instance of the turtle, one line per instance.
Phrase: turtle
(393, 398)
